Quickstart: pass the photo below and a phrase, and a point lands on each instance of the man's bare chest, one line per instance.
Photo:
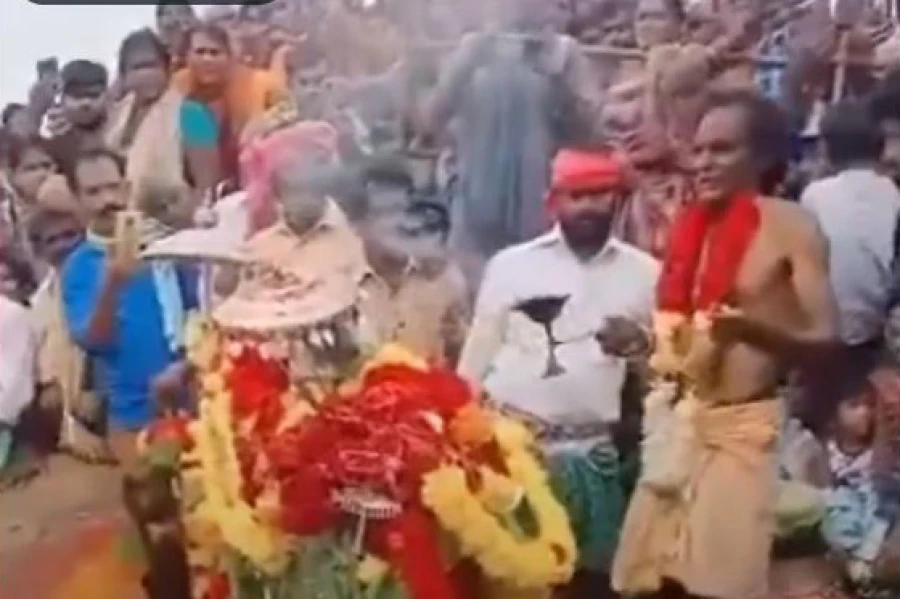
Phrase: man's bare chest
(764, 277)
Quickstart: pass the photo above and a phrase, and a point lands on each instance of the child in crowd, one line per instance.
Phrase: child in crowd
(801, 565)
(853, 525)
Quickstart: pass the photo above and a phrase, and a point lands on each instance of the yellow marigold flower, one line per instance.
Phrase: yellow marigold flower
(202, 341)
(371, 570)
(393, 353)
(498, 493)
(533, 563)
(238, 522)
(201, 531)
(212, 383)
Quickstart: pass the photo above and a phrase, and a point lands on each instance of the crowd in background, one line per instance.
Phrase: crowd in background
(442, 149)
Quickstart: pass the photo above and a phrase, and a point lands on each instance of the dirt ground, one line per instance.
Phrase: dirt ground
(54, 523)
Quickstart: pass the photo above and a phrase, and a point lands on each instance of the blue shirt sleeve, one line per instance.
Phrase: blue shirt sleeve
(198, 126)
(82, 281)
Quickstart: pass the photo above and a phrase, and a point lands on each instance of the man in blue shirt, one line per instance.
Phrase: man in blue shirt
(114, 305)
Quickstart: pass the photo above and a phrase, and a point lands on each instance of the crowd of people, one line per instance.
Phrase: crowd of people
(690, 286)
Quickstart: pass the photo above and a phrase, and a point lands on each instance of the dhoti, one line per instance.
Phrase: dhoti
(713, 535)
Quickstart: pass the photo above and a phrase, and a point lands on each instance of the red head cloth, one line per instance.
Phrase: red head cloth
(261, 156)
(577, 171)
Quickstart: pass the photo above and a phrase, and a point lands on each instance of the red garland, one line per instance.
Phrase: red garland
(719, 238)
(409, 544)
(218, 585)
(382, 439)
(256, 386)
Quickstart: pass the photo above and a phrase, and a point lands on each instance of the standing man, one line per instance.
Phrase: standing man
(858, 211)
(743, 295)
(559, 377)
(77, 124)
(115, 308)
(516, 97)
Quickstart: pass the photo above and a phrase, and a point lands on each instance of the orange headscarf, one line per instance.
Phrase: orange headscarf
(576, 171)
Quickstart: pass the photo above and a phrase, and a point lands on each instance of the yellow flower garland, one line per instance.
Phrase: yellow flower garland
(546, 560)
(219, 477)
(221, 515)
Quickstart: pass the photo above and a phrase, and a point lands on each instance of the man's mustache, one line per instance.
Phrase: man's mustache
(112, 209)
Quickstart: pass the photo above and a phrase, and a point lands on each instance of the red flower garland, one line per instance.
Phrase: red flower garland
(409, 543)
(256, 386)
(384, 439)
(721, 238)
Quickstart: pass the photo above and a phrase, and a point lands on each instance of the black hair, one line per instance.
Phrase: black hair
(768, 132)
(210, 30)
(9, 111)
(6, 144)
(92, 155)
(855, 382)
(20, 146)
(676, 9)
(19, 269)
(81, 74)
(143, 38)
(884, 103)
(347, 187)
(307, 54)
(388, 169)
(851, 134)
(343, 184)
(161, 6)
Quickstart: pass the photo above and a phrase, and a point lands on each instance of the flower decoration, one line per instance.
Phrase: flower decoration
(267, 471)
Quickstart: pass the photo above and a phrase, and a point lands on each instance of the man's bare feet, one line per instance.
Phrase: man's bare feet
(86, 447)
(21, 470)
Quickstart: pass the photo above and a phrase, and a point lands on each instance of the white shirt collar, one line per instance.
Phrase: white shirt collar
(554, 237)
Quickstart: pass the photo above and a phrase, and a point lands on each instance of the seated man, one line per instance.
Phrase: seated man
(552, 371)
(117, 309)
(56, 230)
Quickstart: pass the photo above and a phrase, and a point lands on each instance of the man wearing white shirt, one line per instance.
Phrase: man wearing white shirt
(607, 292)
(858, 211)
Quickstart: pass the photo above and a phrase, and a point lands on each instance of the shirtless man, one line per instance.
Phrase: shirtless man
(745, 289)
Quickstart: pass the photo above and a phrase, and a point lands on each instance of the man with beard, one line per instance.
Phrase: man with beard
(552, 371)
(743, 296)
